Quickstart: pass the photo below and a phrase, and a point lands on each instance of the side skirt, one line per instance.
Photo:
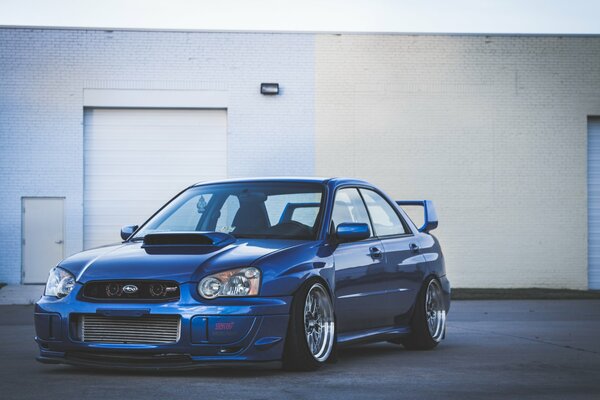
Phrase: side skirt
(371, 335)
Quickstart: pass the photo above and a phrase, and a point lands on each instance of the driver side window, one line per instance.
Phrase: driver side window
(349, 207)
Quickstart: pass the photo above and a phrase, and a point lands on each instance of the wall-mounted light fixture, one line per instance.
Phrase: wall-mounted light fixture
(269, 88)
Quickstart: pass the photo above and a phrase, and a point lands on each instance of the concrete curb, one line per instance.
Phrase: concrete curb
(523, 294)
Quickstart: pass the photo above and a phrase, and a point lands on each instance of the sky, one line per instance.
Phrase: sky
(419, 16)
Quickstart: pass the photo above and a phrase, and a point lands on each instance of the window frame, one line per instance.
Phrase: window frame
(407, 230)
(332, 228)
(358, 187)
(318, 228)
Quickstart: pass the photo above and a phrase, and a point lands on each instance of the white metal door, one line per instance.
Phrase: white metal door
(43, 237)
(594, 203)
(137, 159)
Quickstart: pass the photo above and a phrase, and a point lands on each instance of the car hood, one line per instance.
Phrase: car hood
(132, 261)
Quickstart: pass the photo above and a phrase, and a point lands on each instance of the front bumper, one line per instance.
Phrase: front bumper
(211, 332)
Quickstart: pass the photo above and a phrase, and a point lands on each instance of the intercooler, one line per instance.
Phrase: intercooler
(147, 329)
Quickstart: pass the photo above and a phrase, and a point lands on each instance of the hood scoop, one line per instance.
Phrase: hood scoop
(185, 242)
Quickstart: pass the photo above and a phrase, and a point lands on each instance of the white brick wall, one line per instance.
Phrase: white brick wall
(492, 128)
(43, 74)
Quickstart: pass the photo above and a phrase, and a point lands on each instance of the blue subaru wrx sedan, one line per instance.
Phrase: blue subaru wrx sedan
(282, 269)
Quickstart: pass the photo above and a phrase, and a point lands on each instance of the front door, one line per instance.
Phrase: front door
(43, 236)
(358, 269)
(358, 277)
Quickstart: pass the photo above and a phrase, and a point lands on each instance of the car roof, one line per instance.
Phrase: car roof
(336, 181)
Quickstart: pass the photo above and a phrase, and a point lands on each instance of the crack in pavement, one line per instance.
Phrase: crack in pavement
(529, 339)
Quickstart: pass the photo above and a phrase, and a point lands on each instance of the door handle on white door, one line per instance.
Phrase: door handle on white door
(58, 241)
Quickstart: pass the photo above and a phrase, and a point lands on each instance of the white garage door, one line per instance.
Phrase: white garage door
(594, 203)
(137, 159)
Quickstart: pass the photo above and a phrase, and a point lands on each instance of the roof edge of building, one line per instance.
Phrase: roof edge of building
(308, 32)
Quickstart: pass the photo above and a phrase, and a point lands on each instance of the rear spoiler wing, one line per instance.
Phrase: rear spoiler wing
(431, 218)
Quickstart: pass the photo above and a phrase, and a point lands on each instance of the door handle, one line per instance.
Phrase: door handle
(375, 252)
(414, 247)
(58, 241)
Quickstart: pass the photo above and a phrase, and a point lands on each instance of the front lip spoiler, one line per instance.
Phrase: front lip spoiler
(182, 366)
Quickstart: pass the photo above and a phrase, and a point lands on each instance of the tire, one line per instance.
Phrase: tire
(310, 338)
(426, 333)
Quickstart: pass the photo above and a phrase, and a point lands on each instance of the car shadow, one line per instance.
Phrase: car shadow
(356, 353)
(234, 371)
(372, 350)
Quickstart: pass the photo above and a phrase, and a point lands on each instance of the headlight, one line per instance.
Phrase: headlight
(232, 283)
(60, 283)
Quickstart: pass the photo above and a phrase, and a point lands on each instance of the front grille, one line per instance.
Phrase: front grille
(94, 328)
(131, 290)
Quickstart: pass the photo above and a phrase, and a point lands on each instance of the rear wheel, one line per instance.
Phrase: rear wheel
(311, 333)
(428, 325)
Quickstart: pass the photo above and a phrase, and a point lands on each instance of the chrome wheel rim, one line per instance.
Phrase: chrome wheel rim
(435, 311)
(319, 322)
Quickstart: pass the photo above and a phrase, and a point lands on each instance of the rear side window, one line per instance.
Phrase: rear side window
(386, 221)
(349, 207)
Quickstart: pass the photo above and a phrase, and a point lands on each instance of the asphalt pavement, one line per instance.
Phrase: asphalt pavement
(507, 349)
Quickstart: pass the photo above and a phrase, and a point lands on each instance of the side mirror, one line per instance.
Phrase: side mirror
(352, 232)
(127, 231)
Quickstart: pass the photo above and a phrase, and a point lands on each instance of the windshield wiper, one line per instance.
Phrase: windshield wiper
(249, 236)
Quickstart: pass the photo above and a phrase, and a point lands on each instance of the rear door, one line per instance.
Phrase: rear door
(402, 256)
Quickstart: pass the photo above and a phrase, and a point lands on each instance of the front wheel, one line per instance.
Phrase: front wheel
(311, 333)
(428, 325)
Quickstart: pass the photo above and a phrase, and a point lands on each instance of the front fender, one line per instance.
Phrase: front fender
(284, 272)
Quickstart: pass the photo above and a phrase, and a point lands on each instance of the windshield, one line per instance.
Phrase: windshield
(267, 210)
